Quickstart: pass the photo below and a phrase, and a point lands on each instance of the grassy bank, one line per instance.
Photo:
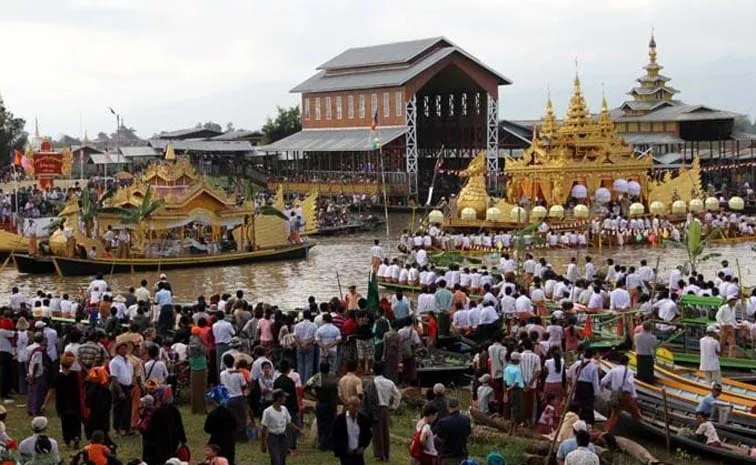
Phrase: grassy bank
(18, 427)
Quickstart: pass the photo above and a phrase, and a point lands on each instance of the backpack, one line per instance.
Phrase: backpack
(495, 458)
(416, 445)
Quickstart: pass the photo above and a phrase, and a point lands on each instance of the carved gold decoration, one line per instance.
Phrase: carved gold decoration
(579, 151)
(473, 194)
(66, 162)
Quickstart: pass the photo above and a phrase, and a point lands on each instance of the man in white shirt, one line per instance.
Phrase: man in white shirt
(667, 309)
(506, 265)
(590, 269)
(727, 323)
(122, 382)
(710, 350)
(572, 271)
(726, 268)
(376, 254)
(621, 382)
(96, 288)
(389, 399)
(223, 332)
(142, 294)
(16, 299)
(674, 279)
(421, 257)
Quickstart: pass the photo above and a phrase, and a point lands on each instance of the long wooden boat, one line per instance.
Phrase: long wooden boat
(740, 364)
(744, 391)
(693, 395)
(33, 264)
(66, 266)
(735, 447)
(728, 384)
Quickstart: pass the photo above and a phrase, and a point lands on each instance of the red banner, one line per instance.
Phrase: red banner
(48, 164)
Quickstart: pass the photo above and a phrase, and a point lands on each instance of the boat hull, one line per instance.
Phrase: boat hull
(79, 267)
(28, 264)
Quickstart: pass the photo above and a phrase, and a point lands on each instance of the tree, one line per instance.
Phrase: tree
(287, 122)
(12, 134)
(745, 124)
(91, 206)
(143, 212)
(230, 127)
(102, 137)
(213, 126)
(67, 141)
(695, 245)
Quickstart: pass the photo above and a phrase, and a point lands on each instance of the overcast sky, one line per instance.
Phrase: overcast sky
(166, 64)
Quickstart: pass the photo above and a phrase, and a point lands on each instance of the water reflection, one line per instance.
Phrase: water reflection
(290, 283)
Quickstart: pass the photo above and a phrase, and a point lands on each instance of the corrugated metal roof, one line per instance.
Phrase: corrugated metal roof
(185, 132)
(204, 145)
(676, 112)
(108, 159)
(387, 77)
(651, 138)
(141, 151)
(334, 140)
(383, 54)
(237, 134)
(519, 131)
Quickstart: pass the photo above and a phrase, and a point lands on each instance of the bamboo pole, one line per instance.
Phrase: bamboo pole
(666, 420)
(5, 263)
(570, 395)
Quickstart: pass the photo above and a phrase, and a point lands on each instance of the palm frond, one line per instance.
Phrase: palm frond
(54, 224)
(268, 210)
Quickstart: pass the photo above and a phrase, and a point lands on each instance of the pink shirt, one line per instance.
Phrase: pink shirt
(264, 326)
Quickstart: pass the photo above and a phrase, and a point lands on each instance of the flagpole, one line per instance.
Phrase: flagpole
(385, 200)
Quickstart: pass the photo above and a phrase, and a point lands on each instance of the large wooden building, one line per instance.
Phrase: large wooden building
(432, 98)
(653, 118)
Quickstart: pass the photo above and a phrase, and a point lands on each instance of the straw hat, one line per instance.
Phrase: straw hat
(117, 345)
(22, 324)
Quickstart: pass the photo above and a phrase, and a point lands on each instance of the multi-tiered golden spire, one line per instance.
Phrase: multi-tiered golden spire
(549, 126)
(605, 120)
(653, 85)
(577, 112)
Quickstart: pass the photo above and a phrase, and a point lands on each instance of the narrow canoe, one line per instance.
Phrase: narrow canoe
(66, 266)
(736, 446)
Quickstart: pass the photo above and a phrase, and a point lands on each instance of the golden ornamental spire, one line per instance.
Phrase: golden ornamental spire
(605, 120)
(549, 125)
(577, 112)
(652, 49)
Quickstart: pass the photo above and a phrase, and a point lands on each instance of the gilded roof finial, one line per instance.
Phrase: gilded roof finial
(604, 105)
(652, 48)
(549, 119)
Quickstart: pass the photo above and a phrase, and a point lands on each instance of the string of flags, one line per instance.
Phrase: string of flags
(730, 166)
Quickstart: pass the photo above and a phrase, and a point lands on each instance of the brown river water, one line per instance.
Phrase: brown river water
(288, 284)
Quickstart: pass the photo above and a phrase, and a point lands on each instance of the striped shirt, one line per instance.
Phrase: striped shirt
(530, 364)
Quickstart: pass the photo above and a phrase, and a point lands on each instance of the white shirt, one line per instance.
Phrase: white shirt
(523, 304)
(234, 382)
(508, 305)
(619, 378)
(726, 316)
(596, 301)
(619, 299)
(674, 278)
(709, 348)
(553, 376)
(156, 369)
(488, 315)
(121, 370)
(376, 251)
(388, 394)
(590, 271)
(276, 420)
(461, 318)
(581, 456)
(421, 257)
(223, 332)
(353, 431)
(667, 309)
(571, 272)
